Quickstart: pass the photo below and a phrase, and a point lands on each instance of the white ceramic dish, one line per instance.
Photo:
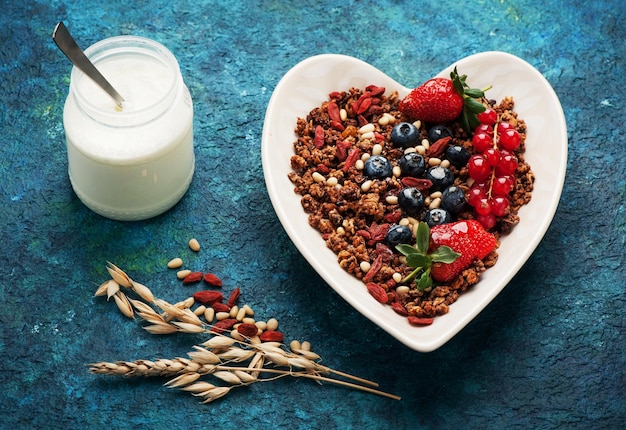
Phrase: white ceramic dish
(308, 84)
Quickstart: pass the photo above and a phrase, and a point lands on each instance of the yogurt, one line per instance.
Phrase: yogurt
(137, 161)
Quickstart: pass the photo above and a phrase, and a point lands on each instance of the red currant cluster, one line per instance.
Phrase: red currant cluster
(492, 168)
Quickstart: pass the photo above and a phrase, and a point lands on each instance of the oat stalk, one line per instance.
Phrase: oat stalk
(228, 361)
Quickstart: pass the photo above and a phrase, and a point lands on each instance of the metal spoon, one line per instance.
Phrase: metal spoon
(66, 43)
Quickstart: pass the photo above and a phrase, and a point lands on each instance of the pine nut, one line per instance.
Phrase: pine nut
(425, 143)
(365, 186)
(182, 274)
(435, 203)
(359, 165)
(436, 194)
(420, 150)
(434, 161)
(241, 314)
(369, 135)
(365, 266)
(209, 314)
(199, 310)
(248, 320)
(397, 277)
(194, 245)
(272, 324)
(175, 263)
(445, 163)
(396, 171)
(377, 149)
(343, 114)
(234, 311)
(332, 181)
(318, 177)
(392, 200)
(402, 290)
(367, 128)
(222, 316)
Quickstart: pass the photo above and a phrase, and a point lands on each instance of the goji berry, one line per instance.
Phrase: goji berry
(419, 321)
(247, 330)
(353, 155)
(342, 149)
(213, 280)
(220, 307)
(374, 269)
(334, 95)
(437, 147)
(224, 325)
(323, 169)
(374, 90)
(234, 296)
(420, 184)
(337, 125)
(333, 111)
(377, 292)
(363, 105)
(192, 277)
(271, 336)
(208, 297)
(400, 310)
(318, 140)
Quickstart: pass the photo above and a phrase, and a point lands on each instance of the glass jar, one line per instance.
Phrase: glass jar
(137, 161)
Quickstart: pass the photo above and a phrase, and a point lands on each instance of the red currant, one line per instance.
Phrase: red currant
(508, 164)
(492, 155)
(478, 168)
(483, 206)
(499, 206)
(510, 139)
(503, 126)
(482, 142)
(487, 221)
(475, 194)
(484, 128)
(489, 116)
(502, 186)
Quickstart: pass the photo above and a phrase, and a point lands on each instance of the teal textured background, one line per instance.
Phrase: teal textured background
(549, 352)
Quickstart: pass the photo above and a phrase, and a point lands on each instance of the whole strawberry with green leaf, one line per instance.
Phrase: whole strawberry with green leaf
(443, 252)
(441, 100)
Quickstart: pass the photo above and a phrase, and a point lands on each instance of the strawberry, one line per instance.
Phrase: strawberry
(467, 238)
(433, 101)
(442, 100)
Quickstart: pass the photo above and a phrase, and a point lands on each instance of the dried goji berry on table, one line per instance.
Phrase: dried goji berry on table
(220, 307)
(208, 297)
(271, 336)
(213, 280)
(419, 321)
(224, 325)
(247, 330)
(234, 296)
(192, 277)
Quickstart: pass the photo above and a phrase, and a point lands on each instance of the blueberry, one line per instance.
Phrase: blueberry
(457, 155)
(437, 216)
(398, 234)
(404, 134)
(453, 199)
(441, 178)
(377, 167)
(437, 132)
(412, 164)
(411, 200)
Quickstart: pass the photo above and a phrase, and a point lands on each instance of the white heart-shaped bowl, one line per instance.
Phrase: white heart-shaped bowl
(308, 84)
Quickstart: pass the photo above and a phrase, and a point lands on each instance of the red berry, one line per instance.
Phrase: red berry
(483, 207)
(484, 128)
(509, 140)
(492, 156)
(502, 186)
(487, 221)
(435, 100)
(503, 126)
(475, 194)
(489, 116)
(482, 142)
(507, 166)
(478, 168)
(499, 206)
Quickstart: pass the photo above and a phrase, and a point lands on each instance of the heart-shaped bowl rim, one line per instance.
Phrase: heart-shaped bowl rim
(308, 84)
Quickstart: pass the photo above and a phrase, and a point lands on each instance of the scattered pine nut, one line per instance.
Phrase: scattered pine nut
(272, 324)
(194, 245)
(175, 263)
(222, 316)
(209, 314)
(182, 274)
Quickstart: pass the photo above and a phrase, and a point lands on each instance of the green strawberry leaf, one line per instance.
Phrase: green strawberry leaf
(444, 254)
(418, 260)
(425, 281)
(472, 106)
(422, 239)
(405, 249)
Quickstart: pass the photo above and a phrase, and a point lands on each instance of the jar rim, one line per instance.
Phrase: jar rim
(135, 46)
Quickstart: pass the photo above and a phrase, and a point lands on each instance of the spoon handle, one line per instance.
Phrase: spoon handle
(66, 43)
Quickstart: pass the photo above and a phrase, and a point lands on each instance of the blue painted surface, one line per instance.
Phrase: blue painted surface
(549, 352)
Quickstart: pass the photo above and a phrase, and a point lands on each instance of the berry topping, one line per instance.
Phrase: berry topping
(411, 200)
(437, 216)
(441, 178)
(377, 167)
(457, 155)
(404, 134)
(438, 132)
(398, 234)
(444, 100)
(453, 199)
(467, 238)
(412, 164)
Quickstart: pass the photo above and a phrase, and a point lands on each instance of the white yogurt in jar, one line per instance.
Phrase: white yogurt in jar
(135, 162)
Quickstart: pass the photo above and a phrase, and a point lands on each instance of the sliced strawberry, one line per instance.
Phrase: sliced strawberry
(468, 238)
